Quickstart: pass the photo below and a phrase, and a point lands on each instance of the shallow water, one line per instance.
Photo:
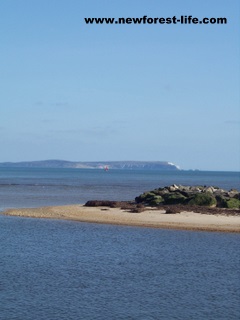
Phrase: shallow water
(67, 270)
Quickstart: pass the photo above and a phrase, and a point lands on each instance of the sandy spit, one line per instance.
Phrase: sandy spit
(148, 218)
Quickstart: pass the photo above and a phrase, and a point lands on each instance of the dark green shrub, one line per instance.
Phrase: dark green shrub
(231, 203)
(203, 199)
(155, 201)
(149, 198)
(174, 198)
(141, 198)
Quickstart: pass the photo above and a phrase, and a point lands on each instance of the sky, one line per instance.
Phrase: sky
(149, 92)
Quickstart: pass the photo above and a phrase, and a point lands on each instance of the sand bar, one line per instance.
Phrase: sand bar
(148, 218)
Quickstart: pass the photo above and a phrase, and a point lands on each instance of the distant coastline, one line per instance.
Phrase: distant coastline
(126, 165)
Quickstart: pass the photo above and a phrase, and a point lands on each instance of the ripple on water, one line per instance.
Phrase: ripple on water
(68, 270)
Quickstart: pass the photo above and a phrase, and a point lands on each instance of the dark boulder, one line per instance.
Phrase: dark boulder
(203, 199)
(230, 203)
(174, 198)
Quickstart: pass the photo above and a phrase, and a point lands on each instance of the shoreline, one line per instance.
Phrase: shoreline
(191, 221)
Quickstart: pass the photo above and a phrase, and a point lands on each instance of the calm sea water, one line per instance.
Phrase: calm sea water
(68, 270)
(31, 187)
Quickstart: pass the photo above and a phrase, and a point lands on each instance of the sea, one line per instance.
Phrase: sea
(65, 270)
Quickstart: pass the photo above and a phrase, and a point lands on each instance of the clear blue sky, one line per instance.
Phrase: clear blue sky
(120, 92)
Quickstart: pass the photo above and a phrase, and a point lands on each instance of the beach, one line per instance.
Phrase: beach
(148, 218)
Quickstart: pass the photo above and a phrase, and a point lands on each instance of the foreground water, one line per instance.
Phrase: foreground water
(68, 270)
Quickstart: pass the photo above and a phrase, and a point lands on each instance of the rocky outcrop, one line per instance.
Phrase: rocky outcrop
(176, 198)
(207, 196)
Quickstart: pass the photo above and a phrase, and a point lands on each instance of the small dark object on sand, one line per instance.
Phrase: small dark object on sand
(172, 210)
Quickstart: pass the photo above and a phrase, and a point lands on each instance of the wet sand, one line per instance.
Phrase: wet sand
(148, 218)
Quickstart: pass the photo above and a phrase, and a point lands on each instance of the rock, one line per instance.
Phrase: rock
(220, 200)
(209, 189)
(203, 199)
(172, 188)
(145, 197)
(124, 205)
(231, 203)
(174, 198)
(99, 203)
(171, 210)
(155, 201)
(191, 195)
(149, 198)
(161, 191)
(197, 189)
(233, 193)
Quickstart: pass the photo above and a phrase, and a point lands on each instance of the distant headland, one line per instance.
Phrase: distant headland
(127, 165)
